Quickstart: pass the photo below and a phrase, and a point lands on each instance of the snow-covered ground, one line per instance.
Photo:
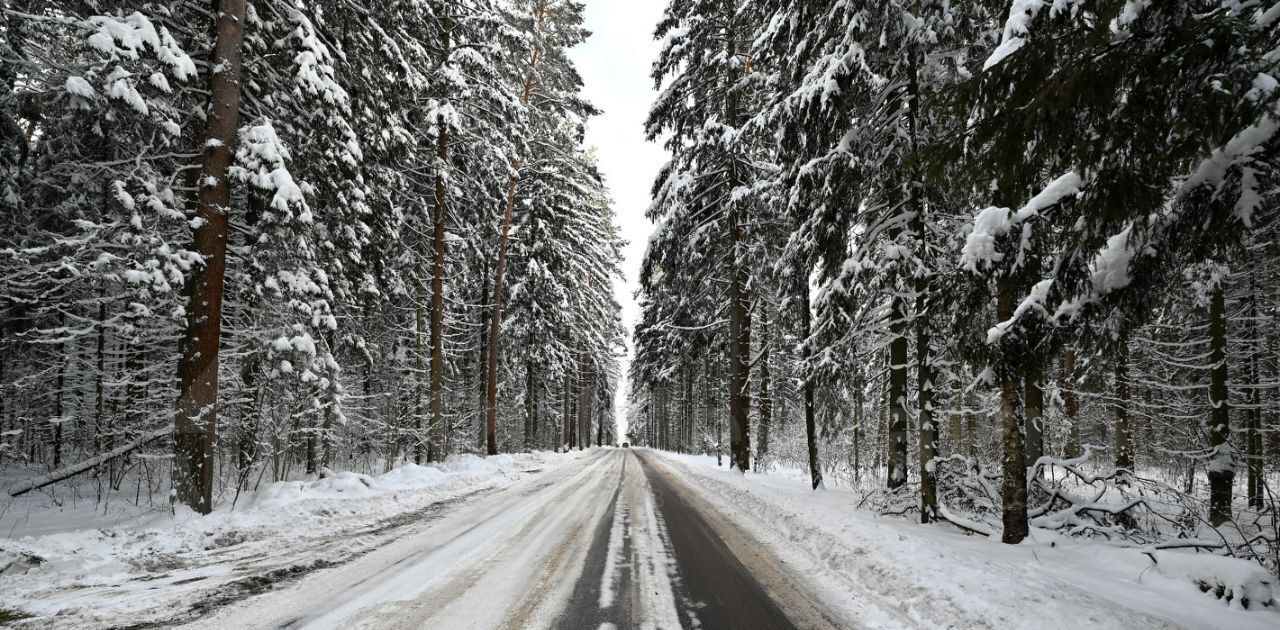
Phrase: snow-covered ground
(506, 542)
(73, 567)
(889, 572)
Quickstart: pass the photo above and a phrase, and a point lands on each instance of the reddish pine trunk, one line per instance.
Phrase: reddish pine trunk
(495, 325)
(1069, 404)
(196, 420)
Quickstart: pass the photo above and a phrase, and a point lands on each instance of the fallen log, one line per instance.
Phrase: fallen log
(23, 487)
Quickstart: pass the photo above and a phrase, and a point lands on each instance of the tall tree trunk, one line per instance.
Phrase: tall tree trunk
(58, 408)
(600, 431)
(530, 407)
(1253, 435)
(1222, 461)
(859, 418)
(567, 425)
(1124, 431)
(1067, 383)
(882, 428)
(3, 387)
(1033, 399)
(898, 362)
(928, 427)
(485, 313)
(419, 374)
(1014, 482)
(584, 406)
(708, 403)
(100, 390)
(739, 354)
(739, 313)
(810, 428)
(437, 267)
(196, 420)
(499, 278)
(766, 402)
(955, 443)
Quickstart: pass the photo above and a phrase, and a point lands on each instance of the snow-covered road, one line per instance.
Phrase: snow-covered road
(603, 539)
(594, 540)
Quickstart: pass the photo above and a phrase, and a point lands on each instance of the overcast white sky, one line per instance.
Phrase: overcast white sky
(615, 64)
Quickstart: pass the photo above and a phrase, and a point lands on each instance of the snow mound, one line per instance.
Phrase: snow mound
(1240, 582)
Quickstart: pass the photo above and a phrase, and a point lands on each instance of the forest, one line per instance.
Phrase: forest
(1005, 266)
(1002, 264)
(245, 241)
(764, 314)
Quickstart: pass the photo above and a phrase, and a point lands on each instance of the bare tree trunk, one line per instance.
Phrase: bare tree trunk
(928, 427)
(766, 402)
(1014, 483)
(584, 406)
(1033, 399)
(3, 386)
(810, 430)
(495, 324)
(1253, 434)
(485, 314)
(100, 406)
(1124, 431)
(530, 407)
(419, 371)
(898, 393)
(739, 355)
(1222, 461)
(568, 412)
(955, 443)
(435, 441)
(196, 420)
(708, 403)
(58, 407)
(859, 431)
(1067, 382)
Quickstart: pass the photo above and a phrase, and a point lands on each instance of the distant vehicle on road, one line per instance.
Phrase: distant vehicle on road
(625, 445)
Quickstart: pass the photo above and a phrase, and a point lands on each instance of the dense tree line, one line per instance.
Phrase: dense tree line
(294, 236)
(999, 236)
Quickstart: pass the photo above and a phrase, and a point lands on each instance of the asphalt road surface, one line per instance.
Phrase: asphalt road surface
(610, 540)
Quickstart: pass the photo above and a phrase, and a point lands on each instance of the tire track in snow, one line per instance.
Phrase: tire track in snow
(526, 530)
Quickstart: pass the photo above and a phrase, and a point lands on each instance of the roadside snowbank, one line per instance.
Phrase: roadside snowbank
(884, 572)
(137, 570)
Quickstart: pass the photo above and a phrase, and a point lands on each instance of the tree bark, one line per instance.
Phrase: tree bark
(1070, 406)
(485, 312)
(1124, 430)
(928, 427)
(898, 393)
(766, 402)
(495, 324)
(1014, 482)
(437, 267)
(1222, 461)
(567, 424)
(1033, 397)
(584, 406)
(196, 419)
(419, 373)
(530, 408)
(810, 428)
(1253, 434)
